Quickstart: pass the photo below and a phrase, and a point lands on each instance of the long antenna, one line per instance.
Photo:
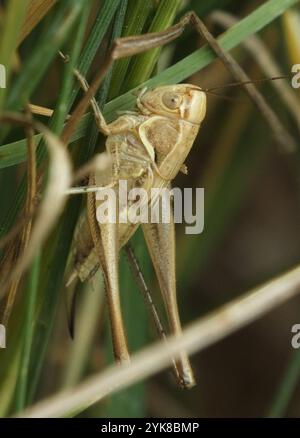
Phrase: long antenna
(238, 83)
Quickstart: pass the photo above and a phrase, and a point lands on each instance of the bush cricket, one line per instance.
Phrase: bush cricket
(147, 148)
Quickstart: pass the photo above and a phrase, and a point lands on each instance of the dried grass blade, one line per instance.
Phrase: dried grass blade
(59, 180)
(199, 335)
(284, 139)
(268, 64)
(29, 209)
(36, 11)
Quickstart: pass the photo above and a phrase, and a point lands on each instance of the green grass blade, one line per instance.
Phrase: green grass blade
(64, 104)
(144, 64)
(287, 387)
(47, 47)
(253, 23)
(60, 111)
(63, 22)
(57, 255)
(87, 319)
(203, 8)
(95, 38)
(14, 16)
(22, 386)
(79, 353)
(137, 14)
(103, 92)
(77, 41)
(9, 381)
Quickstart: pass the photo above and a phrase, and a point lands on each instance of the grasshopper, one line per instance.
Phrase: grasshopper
(147, 148)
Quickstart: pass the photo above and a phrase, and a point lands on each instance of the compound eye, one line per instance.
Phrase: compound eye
(171, 100)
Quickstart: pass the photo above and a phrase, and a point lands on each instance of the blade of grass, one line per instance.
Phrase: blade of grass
(55, 197)
(12, 356)
(96, 36)
(14, 16)
(36, 11)
(58, 117)
(102, 94)
(86, 325)
(25, 231)
(203, 8)
(61, 104)
(284, 139)
(52, 203)
(197, 336)
(57, 260)
(144, 64)
(64, 104)
(261, 53)
(291, 23)
(47, 48)
(75, 368)
(9, 380)
(59, 253)
(254, 22)
(137, 14)
(287, 387)
(22, 386)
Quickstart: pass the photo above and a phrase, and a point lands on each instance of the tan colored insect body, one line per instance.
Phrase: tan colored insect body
(147, 149)
(157, 136)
